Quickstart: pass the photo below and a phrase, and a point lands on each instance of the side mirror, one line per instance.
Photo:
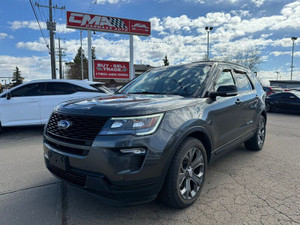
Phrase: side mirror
(224, 91)
(8, 95)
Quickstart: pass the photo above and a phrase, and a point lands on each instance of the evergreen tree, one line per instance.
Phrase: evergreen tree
(74, 67)
(166, 61)
(17, 79)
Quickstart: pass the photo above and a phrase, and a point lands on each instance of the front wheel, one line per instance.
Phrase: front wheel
(186, 174)
(257, 141)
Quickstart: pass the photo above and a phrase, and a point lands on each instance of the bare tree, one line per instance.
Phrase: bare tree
(250, 58)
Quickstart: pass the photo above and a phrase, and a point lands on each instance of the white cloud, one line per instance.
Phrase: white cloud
(5, 35)
(241, 13)
(258, 3)
(60, 28)
(266, 76)
(279, 53)
(39, 46)
(290, 17)
(31, 67)
(111, 1)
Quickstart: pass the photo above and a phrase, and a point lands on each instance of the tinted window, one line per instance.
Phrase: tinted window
(224, 79)
(58, 88)
(26, 91)
(178, 80)
(286, 95)
(243, 83)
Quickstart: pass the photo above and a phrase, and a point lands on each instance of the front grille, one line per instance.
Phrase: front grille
(66, 149)
(71, 176)
(83, 128)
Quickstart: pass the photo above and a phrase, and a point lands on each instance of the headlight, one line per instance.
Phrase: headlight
(140, 125)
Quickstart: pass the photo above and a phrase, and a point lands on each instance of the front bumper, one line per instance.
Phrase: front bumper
(117, 179)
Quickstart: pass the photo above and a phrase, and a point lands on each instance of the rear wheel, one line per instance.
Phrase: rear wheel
(186, 174)
(257, 141)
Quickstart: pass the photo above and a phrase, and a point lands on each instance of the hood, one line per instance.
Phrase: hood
(125, 105)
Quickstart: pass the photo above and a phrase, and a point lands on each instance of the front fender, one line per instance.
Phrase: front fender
(181, 134)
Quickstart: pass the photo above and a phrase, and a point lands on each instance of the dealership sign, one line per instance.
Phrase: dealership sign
(111, 69)
(107, 24)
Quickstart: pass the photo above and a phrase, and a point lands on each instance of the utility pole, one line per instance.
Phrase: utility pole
(51, 26)
(292, 64)
(60, 55)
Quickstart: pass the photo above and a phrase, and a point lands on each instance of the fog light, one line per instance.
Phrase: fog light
(136, 151)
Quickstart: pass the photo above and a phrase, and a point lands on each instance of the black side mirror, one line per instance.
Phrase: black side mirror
(8, 95)
(224, 91)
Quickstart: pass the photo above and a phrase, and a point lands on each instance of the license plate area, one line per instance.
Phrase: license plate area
(58, 160)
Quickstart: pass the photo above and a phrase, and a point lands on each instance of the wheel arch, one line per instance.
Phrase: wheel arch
(264, 114)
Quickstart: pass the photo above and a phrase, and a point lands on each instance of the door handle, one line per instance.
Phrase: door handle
(238, 102)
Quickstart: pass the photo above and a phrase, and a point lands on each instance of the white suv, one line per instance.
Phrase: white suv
(32, 103)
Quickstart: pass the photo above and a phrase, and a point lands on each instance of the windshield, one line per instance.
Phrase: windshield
(179, 80)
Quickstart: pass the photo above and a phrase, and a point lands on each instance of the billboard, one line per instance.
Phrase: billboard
(87, 21)
(111, 69)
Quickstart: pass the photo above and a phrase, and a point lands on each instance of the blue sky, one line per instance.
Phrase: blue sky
(177, 31)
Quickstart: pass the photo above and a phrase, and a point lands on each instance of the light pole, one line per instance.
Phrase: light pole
(208, 30)
(277, 74)
(292, 64)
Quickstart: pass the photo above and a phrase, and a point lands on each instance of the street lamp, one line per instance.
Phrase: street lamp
(208, 30)
(277, 74)
(292, 64)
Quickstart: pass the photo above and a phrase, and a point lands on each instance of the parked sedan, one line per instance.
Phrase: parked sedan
(273, 90)
(32, 103)
(284, 102)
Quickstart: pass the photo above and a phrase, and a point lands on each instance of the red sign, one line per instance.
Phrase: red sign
(107, 24)
(111, 69)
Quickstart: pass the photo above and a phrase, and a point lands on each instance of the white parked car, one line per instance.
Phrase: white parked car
(32, 103)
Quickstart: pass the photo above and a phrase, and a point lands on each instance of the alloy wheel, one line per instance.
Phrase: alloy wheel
(261, 132)
(191, 174)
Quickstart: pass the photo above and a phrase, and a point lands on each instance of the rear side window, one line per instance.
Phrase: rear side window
(224, 79)
(59, 88)
(26, 90)
(243, 82)
(285, 95)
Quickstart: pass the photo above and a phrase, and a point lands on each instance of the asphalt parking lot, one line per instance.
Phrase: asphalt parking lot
(241, 188)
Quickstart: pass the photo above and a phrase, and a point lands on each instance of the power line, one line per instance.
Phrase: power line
(37, 20)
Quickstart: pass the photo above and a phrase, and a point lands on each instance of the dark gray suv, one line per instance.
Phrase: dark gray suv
(156, 135)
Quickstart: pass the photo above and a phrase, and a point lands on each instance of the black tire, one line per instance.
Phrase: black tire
(257, 141)
(180, 177)
(268, 107)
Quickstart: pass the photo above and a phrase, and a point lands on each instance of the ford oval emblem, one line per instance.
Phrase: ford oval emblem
(63, 124)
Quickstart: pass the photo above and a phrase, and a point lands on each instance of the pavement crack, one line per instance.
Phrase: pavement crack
(25, 189)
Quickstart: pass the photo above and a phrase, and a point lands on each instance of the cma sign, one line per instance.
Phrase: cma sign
(84, 19)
